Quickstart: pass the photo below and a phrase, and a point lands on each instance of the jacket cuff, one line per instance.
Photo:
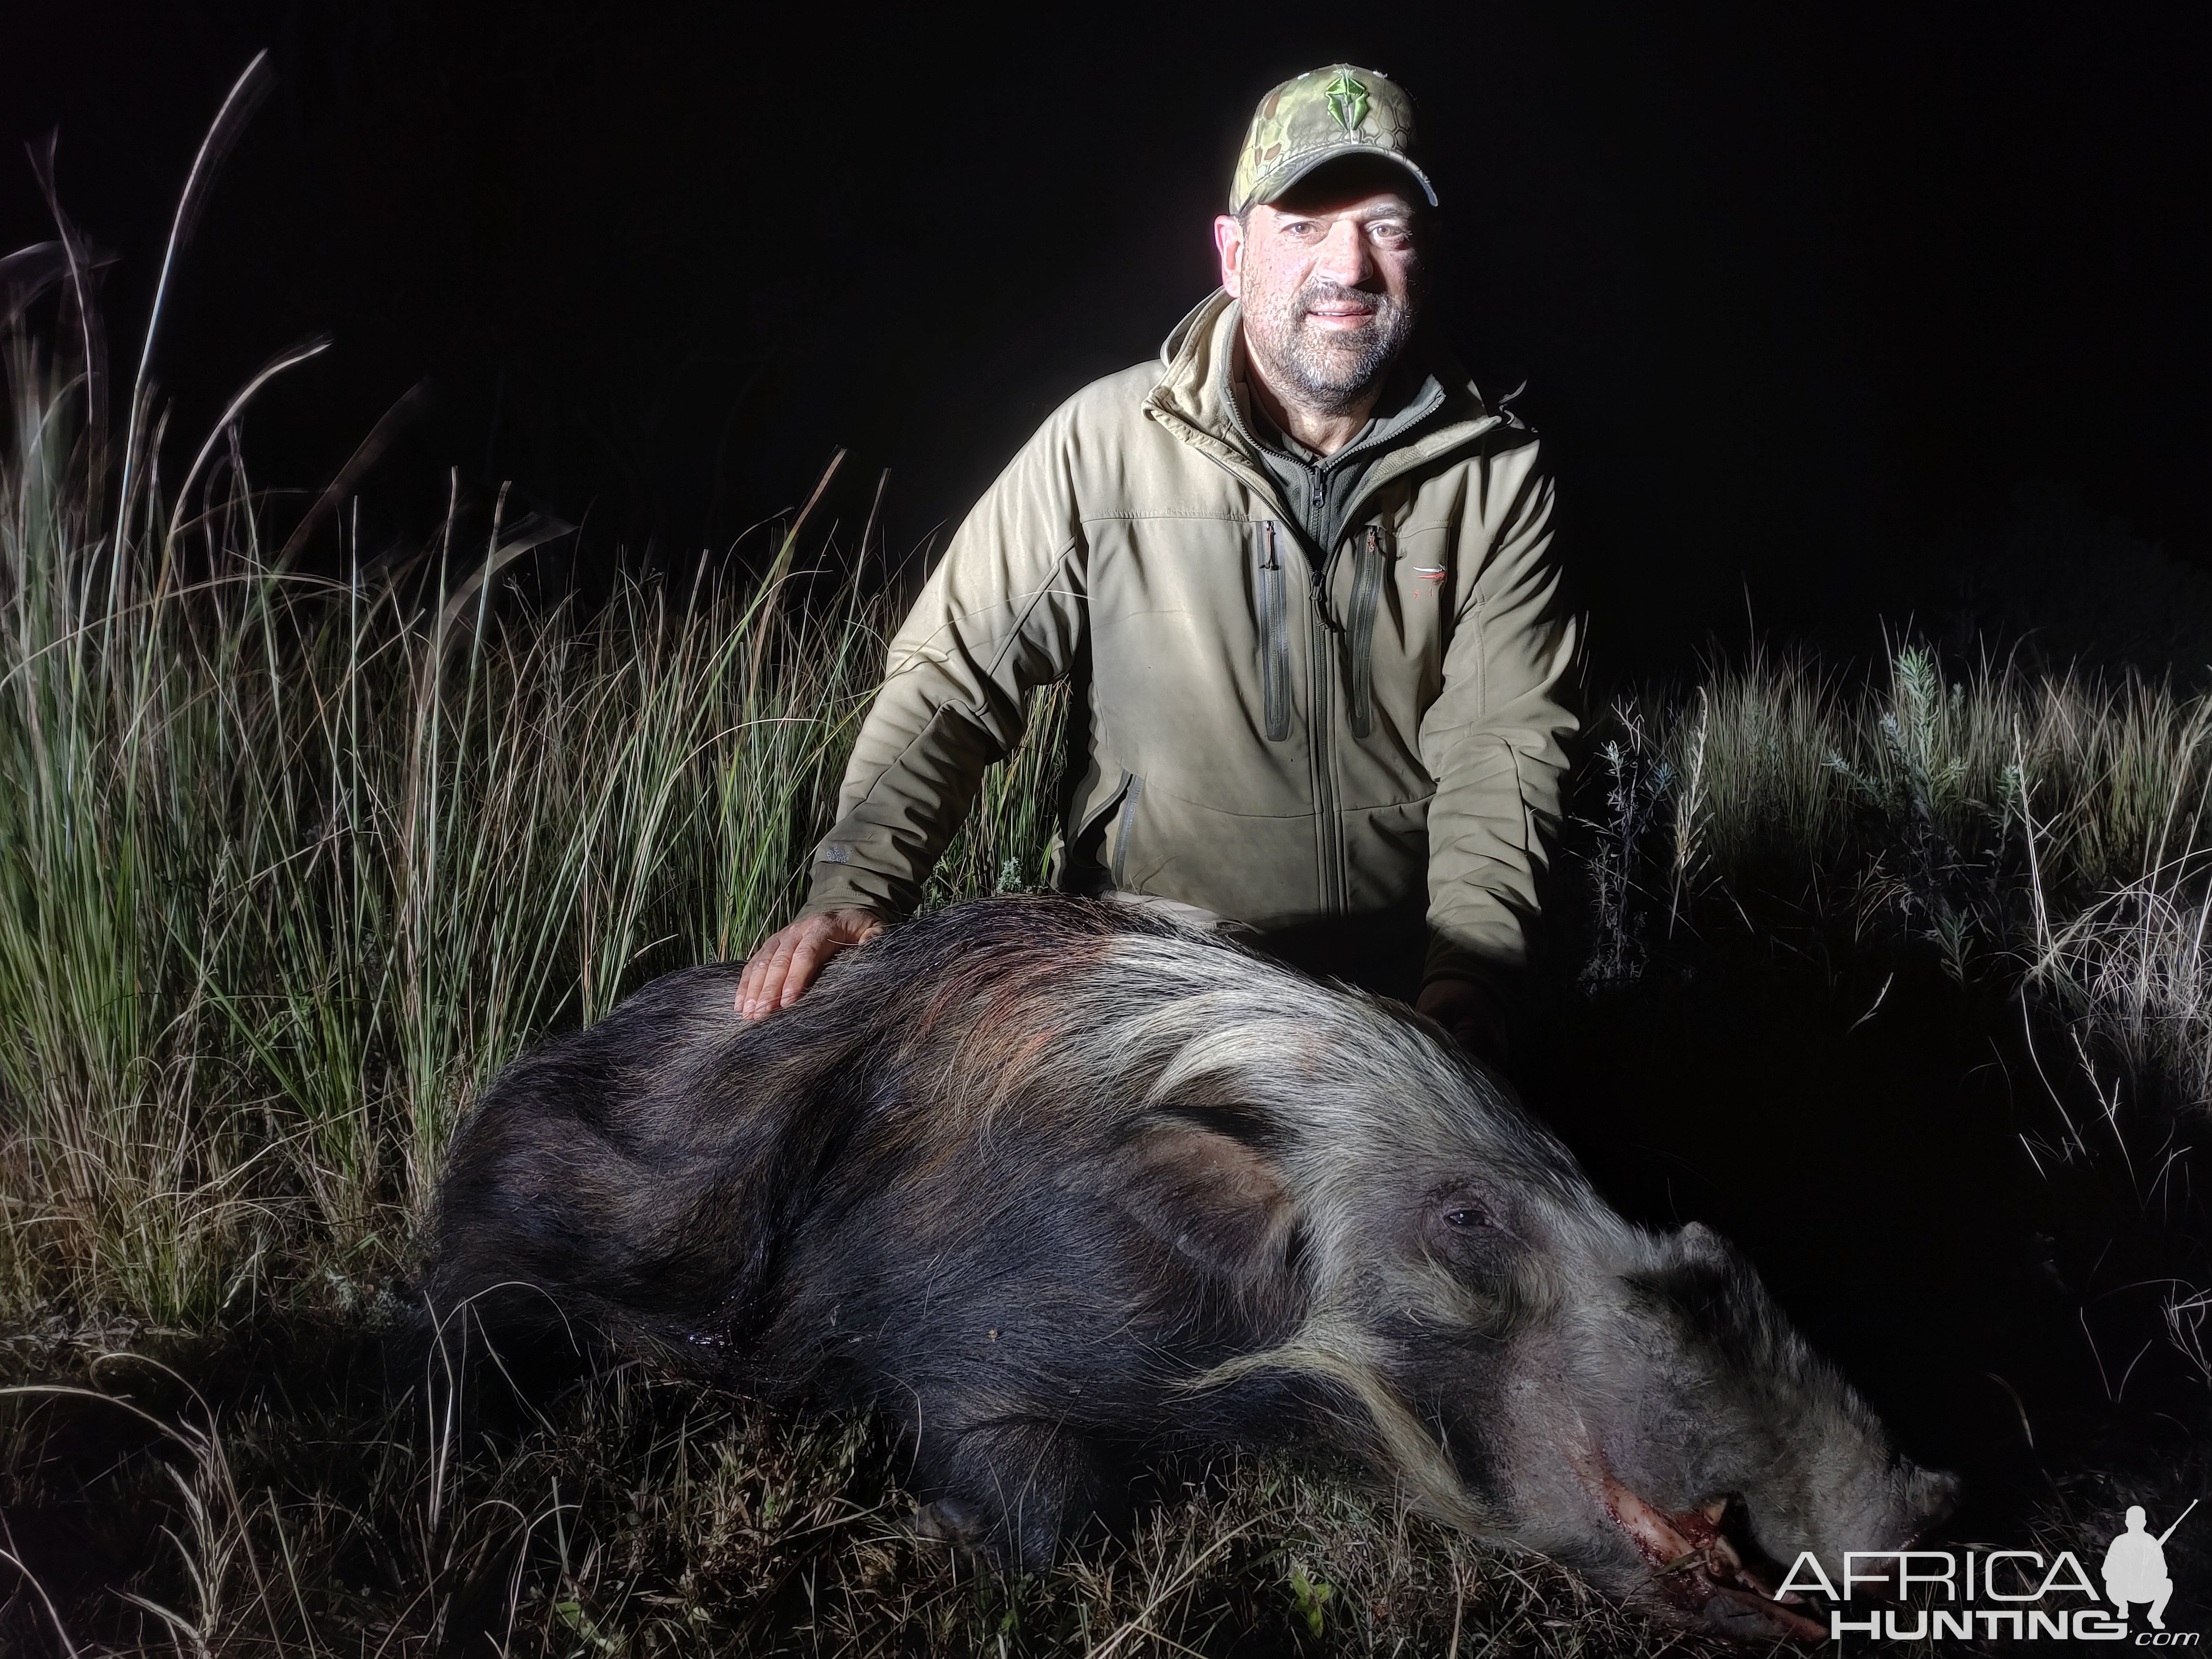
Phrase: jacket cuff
(1450, 958)
(839, 881)
(821, 903)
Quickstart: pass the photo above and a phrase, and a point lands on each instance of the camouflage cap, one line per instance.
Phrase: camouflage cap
(1323, 114)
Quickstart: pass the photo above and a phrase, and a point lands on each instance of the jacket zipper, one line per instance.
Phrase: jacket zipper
(1321, 661)
(1359, 643)
(1274, 638)
(1335, 879)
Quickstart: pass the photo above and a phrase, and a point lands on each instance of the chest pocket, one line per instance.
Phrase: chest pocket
(1271, 595)
(1371, 563)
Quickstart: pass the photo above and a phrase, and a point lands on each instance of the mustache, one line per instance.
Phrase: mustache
(1325, 291)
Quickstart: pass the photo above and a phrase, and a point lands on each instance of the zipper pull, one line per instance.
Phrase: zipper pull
(1267, 535)
(1321, 602)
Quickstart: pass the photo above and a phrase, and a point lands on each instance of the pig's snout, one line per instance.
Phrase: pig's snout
(1700, 1563)
(1706, 1564)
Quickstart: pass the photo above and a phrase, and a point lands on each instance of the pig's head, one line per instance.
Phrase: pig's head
(1530, 1364)
(1633, 1404)
(1693, 1422)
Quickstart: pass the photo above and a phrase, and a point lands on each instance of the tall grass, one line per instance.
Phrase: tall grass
(2050, 828)
(294, 862)
(1788, 762)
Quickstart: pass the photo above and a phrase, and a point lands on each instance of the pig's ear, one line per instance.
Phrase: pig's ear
(1215, 1198)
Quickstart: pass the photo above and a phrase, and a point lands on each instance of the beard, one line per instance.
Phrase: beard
(1330, 371)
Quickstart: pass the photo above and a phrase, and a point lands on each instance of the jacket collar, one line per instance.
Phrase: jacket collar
(1194, 399)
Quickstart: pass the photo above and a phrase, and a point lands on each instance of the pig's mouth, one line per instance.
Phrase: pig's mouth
(1698, 1560)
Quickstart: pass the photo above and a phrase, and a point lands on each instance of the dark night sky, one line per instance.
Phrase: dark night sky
(1808, 297)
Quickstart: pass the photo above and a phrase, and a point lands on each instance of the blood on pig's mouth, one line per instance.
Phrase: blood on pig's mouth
(1698, 1558)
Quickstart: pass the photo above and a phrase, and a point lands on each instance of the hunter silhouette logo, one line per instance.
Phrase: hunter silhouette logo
(1347, 101)
(2134, 1566)
(1947, 1594)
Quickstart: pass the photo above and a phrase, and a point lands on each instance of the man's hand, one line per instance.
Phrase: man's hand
(779, 973)
(1471, 1014)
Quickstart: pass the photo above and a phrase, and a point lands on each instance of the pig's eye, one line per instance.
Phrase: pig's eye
(1464, 1229)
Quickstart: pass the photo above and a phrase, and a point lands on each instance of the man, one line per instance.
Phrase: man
(1299, 575)
(2135, 1568)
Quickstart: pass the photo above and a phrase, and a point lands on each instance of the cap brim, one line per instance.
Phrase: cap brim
(1273, 184)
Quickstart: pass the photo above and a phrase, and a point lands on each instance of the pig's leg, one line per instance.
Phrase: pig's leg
(1011, 1488)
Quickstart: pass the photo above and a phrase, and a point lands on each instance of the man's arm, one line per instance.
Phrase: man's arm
(1495, 741)
(1002, 613)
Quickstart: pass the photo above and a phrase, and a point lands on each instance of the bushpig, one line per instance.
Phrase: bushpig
(1059, 1188)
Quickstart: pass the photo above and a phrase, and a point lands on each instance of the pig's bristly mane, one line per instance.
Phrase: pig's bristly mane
(1147, 1020)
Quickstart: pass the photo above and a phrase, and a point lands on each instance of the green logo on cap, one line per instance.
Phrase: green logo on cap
(1347, 101)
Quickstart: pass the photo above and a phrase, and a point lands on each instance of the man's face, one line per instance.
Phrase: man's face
(1330, 276)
